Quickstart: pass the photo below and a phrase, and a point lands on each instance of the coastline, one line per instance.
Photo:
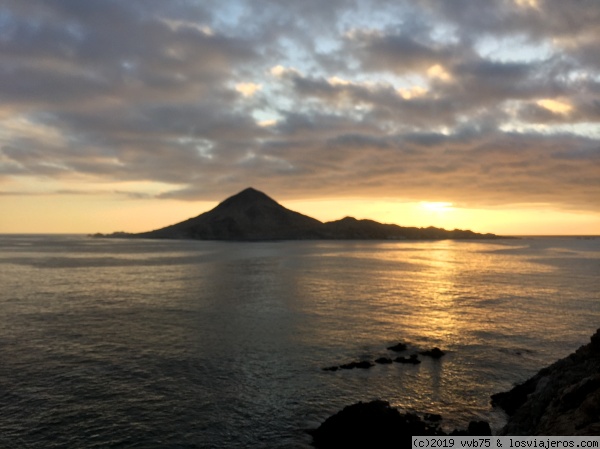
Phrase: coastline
(561, 399)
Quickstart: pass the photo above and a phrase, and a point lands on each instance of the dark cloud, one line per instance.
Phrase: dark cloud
(417, 99)
(111, 54)
(400, 53)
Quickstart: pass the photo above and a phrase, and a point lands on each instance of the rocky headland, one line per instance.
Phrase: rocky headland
(253, 216)
(561, 399)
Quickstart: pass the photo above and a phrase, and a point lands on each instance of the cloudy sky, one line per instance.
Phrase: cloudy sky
(130, 115)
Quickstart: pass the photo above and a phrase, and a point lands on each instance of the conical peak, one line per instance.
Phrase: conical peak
(248, 196)
(251, 192)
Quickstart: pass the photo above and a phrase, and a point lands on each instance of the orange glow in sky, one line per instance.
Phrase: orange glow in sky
(138, 115)
(89, 214)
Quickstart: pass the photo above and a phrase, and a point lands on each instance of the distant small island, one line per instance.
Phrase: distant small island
(253, 216)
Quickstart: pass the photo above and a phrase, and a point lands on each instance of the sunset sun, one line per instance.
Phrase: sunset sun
(437, 206)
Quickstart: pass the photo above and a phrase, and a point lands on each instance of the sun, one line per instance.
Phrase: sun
(438, 207)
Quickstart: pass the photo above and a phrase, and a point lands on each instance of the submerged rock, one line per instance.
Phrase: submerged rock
(561, 399)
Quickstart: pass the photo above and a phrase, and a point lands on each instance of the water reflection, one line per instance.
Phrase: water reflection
(232, 335)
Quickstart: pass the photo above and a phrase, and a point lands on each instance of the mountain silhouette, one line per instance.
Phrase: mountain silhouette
(251, 215)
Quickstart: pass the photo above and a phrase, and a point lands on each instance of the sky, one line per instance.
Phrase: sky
(133, 115)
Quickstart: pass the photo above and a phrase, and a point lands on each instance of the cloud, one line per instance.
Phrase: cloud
(399, 53)
(248, 89)
(73, 56)
(427, 98)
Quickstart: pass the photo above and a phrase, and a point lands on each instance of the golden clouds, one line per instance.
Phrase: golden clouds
(437, 71)
(267, 123)
(411, 92)
(527, 3)
(556, 106)
(248, 89)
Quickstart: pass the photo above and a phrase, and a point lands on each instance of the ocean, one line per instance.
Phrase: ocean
(195, 344)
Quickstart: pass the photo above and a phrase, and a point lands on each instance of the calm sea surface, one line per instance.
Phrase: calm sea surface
(186, 344)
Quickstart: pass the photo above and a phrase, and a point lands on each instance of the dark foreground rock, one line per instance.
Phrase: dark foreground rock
(561, 399)
(370, 424)
(376, 424)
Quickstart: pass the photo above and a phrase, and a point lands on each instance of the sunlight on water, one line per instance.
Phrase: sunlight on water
(222, 344)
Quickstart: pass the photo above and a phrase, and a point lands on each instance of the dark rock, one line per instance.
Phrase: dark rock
(561, 399)
(475, 428)
(371, 424)
(479, 428)
(595, 342)
(363, 365)
(384, 360)
(511, 400)
(331, 368)
(375, 424)
(435, 353)
(432, 417)
(398, 347)
(576, 394)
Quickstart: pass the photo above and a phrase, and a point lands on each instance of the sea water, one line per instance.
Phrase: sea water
(191, 344)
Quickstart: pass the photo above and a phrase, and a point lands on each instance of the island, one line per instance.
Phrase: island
(251, 215)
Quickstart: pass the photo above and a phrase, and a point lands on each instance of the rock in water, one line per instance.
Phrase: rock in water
(384, 360)
(398, 347)
(435, 353)
(365, 364)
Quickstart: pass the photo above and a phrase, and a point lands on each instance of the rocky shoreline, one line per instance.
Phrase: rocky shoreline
(376, 424)
(561, 399)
